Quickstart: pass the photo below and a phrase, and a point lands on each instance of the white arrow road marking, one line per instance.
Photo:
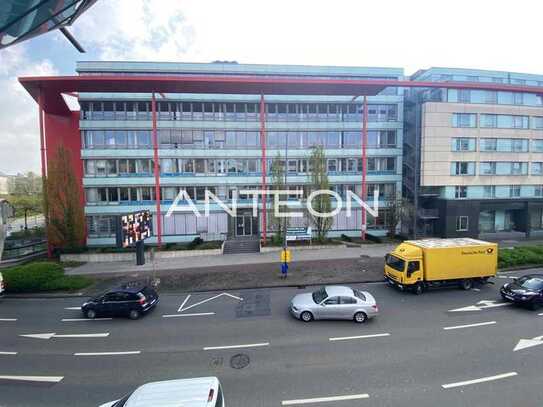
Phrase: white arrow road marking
(8, 319)
(183, 303)
(188, 315)
(54, 335)
(47, 379)
(133, 352)
(73, 308)
(346, 338)
(84, 319)
(324, 399)
(251, 345)
(8, 353)
(481, 305)
(541, 315)
(528, 343)
(449, 328)
(181, 309)
(481, 380)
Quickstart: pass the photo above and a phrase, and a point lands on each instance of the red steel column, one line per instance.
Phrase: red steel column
(44, 171)
(156, 171)
(364, 163)
(263, 166)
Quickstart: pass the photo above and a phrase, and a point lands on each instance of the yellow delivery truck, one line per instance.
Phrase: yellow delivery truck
(420, 264)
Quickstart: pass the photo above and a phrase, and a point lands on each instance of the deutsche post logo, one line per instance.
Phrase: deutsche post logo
(490, 250)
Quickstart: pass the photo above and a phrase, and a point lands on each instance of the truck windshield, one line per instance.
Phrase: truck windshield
(395, 263)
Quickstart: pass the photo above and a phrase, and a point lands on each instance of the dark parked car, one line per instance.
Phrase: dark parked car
(131, 300)
(526, 290)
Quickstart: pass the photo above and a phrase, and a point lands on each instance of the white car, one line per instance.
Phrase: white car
(198, 392)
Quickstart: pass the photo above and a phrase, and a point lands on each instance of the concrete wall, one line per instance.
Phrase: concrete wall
(108, 257)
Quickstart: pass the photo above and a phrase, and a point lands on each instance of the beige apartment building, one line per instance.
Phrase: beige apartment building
(473, 158)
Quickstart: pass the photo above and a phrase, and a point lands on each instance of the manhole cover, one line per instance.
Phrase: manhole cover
(239, 361)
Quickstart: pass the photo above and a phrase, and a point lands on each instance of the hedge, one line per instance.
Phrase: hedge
(41, 276)
(519, 256)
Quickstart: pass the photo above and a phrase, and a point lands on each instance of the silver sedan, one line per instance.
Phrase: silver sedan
(334, 302)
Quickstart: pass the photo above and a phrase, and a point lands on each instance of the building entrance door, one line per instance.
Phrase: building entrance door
(244, 225)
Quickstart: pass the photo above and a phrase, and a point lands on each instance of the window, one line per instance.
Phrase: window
(489, 120)
(538, 191)
(488, 144)
(537, 146)
(464, 120)
(332, 165)
(514, 191)
(487, 168)
(537, 122)
(347, 300)
(463, 144)
(489, 191)
(462, 223)
(462, 168)
(460, 192)
(519, 145)
(490, 96)
(537, 168)
(464, 96)
(332, 301)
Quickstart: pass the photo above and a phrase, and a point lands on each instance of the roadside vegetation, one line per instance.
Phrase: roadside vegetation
(520, 256)
(41, 276)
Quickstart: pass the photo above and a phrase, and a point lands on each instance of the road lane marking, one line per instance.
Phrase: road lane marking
(207, 300)
(541, 315)
(481, 305)
(481, 380)
(183, 303)
(84, 319)
(8, 319)
(133, 352)
(55, 335)
(8, 353)
(324, 399)
(250, 345)
(449, 328)
(73, 308)
(188, 315)
(346, 338)
(46, 379)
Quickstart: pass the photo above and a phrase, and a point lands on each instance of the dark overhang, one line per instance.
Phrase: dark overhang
(52, 88)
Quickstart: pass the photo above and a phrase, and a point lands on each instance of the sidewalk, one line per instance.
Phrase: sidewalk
(218, 261)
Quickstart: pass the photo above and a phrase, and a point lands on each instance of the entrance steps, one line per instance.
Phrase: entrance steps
(235, 246)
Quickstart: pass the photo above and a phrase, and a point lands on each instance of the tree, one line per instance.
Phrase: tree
(322, 202)
(65, 219)
(278, 182)
(28, 184)
(399, 210)
(25, 195)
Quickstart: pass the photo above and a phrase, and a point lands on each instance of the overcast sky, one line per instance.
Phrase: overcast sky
(415, 34)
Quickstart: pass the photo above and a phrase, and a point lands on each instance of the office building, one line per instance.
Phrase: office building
(474, 158)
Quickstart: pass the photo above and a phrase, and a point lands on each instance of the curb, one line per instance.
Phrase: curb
(519, 268)
(44, 295)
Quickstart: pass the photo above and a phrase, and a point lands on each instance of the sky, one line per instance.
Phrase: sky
(414, 34)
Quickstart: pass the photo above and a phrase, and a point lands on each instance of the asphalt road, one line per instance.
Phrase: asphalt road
(411, 361)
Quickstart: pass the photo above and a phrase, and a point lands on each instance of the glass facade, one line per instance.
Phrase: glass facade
(213, 143)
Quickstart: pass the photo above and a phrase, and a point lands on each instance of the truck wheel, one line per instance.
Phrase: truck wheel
(418, 289)
(466, 284)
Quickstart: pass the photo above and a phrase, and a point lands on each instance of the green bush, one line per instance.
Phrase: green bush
(41, 276)
(196, 242)
(519, 256)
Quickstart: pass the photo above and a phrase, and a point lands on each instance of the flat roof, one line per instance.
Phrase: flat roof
(52, 87)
